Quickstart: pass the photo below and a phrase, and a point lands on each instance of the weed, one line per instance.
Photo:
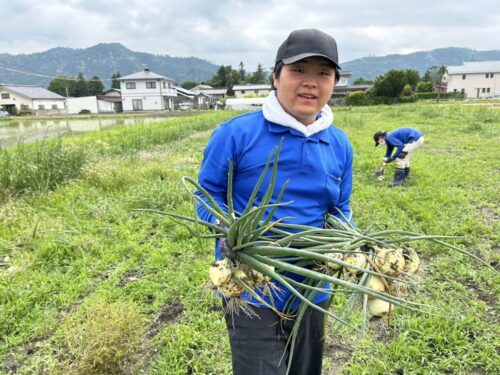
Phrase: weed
(104, 338)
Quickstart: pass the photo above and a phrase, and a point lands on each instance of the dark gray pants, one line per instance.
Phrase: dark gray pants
(257, 345)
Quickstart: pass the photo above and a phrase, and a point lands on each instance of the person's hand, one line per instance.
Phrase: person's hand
(223, 245)
(226, 250)
(386, 160)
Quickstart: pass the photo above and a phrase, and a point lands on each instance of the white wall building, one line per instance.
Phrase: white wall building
(245, 103)
(216, 93)
(32, 98)
(476, 79)
(89, 103)
(147, 91)
(240, 91)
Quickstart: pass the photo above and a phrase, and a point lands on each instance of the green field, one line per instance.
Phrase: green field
(87, 285)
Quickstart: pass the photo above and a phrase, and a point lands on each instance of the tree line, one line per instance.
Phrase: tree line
(80, 86)
(227, 77)
(400, 86)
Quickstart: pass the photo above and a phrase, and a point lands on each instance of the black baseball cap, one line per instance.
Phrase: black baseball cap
(377, 135)
(306, 43)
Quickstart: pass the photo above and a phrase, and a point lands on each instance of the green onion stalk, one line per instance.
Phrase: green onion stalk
(268, 250)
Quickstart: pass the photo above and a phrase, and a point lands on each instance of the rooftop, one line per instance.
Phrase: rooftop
(471, 67)
(32, 92)
(144, 75)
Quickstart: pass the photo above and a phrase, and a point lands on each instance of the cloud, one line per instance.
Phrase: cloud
(229, 31)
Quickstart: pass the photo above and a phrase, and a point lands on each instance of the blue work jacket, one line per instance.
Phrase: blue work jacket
(318, 168)
(399, 138)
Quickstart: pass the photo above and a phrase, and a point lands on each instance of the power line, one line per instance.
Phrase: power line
(46, 76)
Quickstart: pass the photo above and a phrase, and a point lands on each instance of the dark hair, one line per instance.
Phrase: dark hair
(279, 65)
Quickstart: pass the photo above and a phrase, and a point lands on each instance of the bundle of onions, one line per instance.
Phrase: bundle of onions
(259, 252)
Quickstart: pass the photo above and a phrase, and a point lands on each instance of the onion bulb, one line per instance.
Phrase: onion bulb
(390, 261)
(332, 265)
(220, 272)
(412, 261)
(356, 259)
(378, 307)
(231, 289)
(376, 283)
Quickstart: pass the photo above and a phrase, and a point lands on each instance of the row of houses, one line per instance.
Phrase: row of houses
(149, 91)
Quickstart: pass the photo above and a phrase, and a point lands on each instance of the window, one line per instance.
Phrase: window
(41, 106)
(488, 89)
(462, 91)
(489, 75)
(492, 75)
(5, 95)
(130, 85)
(464, 76)
(454, 90)
(25, 107)
(137, 104)
(150, 85)
(54, 106)
(164, 85)
(484, 90)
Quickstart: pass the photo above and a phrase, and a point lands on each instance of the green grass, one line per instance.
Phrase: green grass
(74, 245)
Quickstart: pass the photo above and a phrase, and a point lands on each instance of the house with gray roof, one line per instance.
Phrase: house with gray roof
(147, 91)
(214, 92)
(31, 98)
(476, 79)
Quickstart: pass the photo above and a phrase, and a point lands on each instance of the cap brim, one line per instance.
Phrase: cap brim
(292, 59)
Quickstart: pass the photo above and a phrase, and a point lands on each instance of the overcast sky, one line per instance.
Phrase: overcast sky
(229, 31)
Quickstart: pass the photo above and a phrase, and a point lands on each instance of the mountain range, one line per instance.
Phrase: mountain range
(372, 66)
(104, 59)
(101, 60)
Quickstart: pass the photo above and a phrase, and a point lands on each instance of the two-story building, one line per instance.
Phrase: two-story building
(147, 91)
(475, 79)
(31, 98)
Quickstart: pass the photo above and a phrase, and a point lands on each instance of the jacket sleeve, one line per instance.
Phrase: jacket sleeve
(344, 203)
(213, 175)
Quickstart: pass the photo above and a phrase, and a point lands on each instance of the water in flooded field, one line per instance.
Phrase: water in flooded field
(15, 130)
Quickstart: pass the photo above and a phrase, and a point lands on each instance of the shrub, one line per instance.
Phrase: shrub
(424, 86)
(356, 98)
(24, 112)
(104, 338)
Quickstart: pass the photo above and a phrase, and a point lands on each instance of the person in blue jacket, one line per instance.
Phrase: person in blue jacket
(316, 157)
(406, 141)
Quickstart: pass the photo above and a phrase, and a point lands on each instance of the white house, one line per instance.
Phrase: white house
(32, 98)
(240, 91)
(147, 91)
(216, 93)
(89, 103)
(476, 79)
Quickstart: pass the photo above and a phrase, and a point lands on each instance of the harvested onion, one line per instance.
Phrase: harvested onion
(390, 261)
(377, 307)
(220, 272)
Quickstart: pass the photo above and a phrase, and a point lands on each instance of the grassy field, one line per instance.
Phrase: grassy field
(87, 285)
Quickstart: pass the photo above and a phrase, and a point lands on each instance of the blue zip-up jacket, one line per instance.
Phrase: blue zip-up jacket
(318, 167)
(399, 138)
